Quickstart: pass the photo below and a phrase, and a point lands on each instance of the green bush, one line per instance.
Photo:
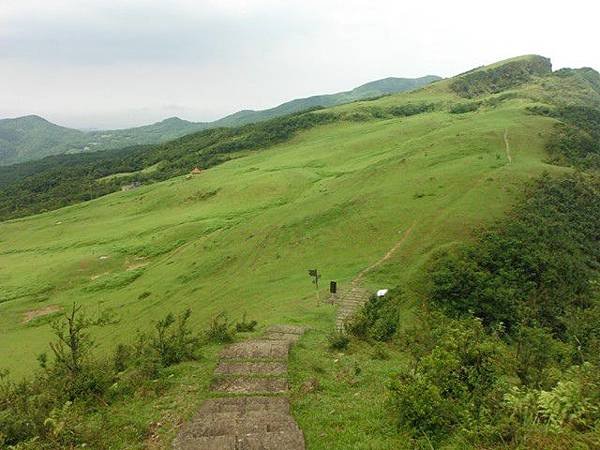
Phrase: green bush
(378, 318)
(244, 326)
(536, 267)
(173, 340)
(53, 407)
(338, 341)
(456, 383)
(411, 109)
(220, 330)
(461, 108)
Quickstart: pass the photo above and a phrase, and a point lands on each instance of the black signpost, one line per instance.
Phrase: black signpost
(314, 273)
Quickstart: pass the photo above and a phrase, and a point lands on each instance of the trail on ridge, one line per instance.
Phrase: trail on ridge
(357, 295)
(507, 146)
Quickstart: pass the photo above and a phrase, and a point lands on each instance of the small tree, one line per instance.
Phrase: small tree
(73, 342)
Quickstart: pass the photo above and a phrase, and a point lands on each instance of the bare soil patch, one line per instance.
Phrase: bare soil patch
(35, 313)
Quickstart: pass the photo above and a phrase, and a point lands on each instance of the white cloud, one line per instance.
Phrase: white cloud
(113, 63)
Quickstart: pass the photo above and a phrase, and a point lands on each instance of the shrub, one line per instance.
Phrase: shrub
(378, 319)
(534, 267)
(411, 109)
(338, 340)
(173, 341)
(461, 108)
(220, 330)
(460, 380)
(245, 326)
(52, 408)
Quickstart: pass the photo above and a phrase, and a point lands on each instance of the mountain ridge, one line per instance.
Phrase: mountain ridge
(19, 144)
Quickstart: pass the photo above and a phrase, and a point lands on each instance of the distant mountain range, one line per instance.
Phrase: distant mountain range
(33, 137)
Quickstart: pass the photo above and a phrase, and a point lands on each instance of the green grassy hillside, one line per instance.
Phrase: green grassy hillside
(416, 172)
(240, 236)
(32, 138)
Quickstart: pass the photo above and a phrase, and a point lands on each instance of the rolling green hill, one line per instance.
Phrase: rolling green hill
(31, 137)
(391, 181)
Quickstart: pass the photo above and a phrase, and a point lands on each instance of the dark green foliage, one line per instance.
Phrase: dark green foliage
(577, 140)
(174, 341)
(378, 318)
(220, 329)
(245, 326)
(458, 383)
(51, 408)
(461, 108)
(411, 109)
(513, 362)
(532, 269)
(501, 77)
(338, 340)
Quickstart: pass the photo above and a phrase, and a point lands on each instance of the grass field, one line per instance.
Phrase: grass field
(241, 236)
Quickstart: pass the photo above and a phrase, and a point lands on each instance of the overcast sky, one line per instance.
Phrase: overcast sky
(113, 64)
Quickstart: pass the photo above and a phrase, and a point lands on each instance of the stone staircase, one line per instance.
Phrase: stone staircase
(252, 412)
(349, 303)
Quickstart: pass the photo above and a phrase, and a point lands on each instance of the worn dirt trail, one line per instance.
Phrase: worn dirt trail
(507, 146)
(357, 296)
(250, 410)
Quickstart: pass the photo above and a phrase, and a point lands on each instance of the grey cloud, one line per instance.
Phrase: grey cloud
(146, 35)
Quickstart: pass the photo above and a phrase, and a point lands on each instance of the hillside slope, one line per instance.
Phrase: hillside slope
(240, 236)
(369, 90)
(23, 137)
(31, 137)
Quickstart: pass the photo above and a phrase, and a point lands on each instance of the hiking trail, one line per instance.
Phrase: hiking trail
(507, 146)
(357, 295)
(250, 409)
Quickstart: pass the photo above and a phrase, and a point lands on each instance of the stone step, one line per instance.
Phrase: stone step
(288, 337)
(287, 329)
(229, 424)
(243, 405)
(253, 349)
(248, 385)
(273, 440)
(232, 367)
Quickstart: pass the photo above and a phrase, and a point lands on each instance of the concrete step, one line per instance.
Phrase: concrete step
(254, 349)
(246, 385)
(243, 405)
(232, 367)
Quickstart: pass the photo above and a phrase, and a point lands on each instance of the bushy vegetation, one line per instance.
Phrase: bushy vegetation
(536, 268)
(501, 77)
(338, 340)
(508, 356)
(55, 407)
(378, 318)
(577, 140)
(245, 325)
(461, 108)
(220, 329)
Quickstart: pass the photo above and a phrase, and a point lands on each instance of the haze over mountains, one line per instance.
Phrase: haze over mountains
(33, 137)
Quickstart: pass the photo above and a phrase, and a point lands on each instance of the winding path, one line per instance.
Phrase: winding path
(357, 295)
